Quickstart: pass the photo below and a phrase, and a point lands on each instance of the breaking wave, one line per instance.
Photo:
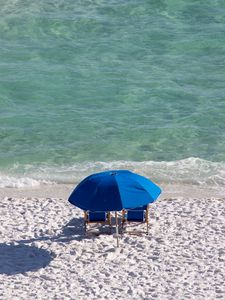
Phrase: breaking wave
(193, 171)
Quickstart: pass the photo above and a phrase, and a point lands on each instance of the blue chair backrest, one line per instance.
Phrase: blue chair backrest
(96, 216)
(135, 215)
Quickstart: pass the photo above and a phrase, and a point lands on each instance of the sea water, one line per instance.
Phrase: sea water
(93, 85)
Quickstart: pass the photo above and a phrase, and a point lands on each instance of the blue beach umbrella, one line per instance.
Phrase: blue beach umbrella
(113, 191)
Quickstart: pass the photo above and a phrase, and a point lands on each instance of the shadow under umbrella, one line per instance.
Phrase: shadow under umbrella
(17, 259)
(73, 230)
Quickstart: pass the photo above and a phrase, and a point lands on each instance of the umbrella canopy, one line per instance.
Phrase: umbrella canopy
(113, 191)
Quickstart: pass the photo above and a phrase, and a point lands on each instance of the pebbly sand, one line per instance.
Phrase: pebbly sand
(44, 253)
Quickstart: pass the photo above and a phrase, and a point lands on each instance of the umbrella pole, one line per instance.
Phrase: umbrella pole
(117, 230)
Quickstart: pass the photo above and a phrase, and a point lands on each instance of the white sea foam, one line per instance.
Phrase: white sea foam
(18, 182)
(194, 171)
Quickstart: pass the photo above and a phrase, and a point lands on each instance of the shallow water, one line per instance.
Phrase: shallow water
(92, 85)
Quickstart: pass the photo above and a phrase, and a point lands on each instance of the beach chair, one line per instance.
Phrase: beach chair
(134, 216)
(94, 217)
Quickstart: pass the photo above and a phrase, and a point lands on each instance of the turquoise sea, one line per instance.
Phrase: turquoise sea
(92, 85)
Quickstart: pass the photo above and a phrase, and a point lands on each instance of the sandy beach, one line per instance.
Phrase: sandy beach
(44, 253)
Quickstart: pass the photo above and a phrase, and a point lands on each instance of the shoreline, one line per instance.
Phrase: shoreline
(63, 191)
